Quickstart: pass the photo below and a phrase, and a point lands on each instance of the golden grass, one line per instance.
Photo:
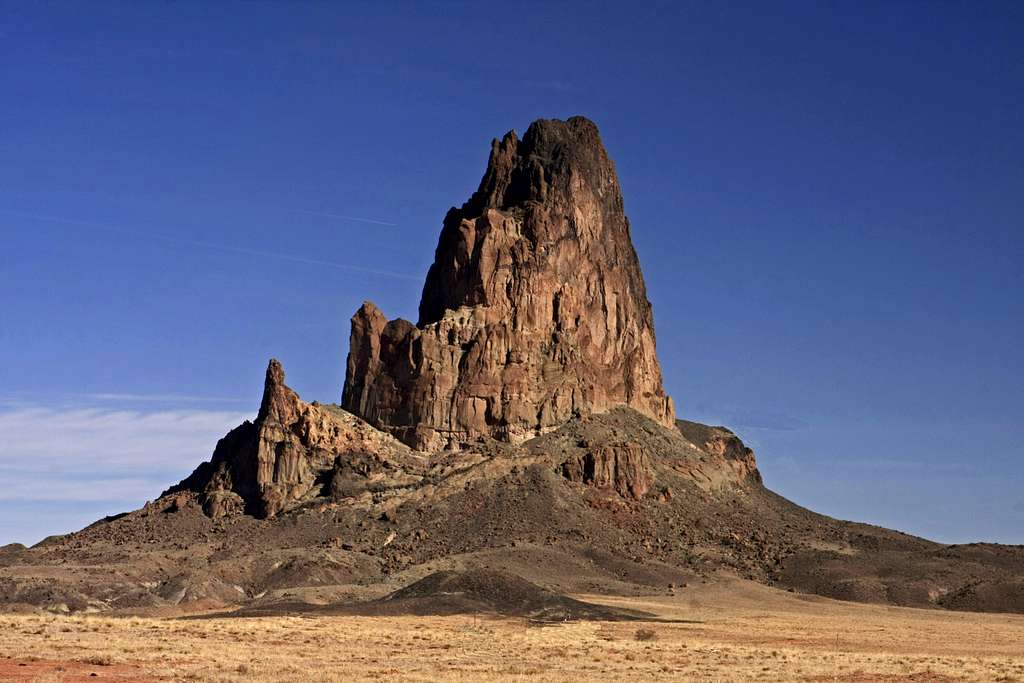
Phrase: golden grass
(745, 632)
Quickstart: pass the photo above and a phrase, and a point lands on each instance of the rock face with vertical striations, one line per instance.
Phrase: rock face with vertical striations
(623, 468)
(534, 310)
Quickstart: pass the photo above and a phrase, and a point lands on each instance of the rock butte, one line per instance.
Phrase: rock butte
(533, 312)
(534, 327)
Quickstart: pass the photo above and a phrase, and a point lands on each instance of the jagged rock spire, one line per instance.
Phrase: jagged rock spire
(294, 450)
(533, 311)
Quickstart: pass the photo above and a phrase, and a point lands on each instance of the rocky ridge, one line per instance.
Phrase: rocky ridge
(297, 451)
(297, 454)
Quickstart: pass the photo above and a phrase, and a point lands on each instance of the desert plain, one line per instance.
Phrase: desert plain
(724, 630)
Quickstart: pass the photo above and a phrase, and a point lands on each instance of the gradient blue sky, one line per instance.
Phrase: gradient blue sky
(827, 199)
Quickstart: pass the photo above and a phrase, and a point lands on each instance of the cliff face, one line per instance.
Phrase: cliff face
(533, 311)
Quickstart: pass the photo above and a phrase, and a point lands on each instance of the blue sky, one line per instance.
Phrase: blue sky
(827, 199)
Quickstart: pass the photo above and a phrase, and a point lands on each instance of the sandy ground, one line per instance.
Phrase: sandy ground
(734, 630)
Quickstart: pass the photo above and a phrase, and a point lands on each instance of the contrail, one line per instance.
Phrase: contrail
(211, 245)
(346, 218)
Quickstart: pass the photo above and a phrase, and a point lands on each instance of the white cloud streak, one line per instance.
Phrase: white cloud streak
(162, 398)
(343, 217)
(99, 454)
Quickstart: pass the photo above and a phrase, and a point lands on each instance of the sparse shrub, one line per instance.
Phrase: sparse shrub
(645, 634)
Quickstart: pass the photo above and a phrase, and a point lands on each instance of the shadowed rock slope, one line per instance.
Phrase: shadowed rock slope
(518, 434)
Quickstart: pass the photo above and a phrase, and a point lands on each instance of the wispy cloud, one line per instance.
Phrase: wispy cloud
(30, 399)
(100, 454)
(122, 491)
(341, 216)
(163, 398)
(169, 239)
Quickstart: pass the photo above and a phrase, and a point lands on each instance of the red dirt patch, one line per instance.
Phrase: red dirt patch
(15, 670)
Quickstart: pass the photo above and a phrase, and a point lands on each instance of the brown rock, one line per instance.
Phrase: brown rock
(533, 311)
(219, 503)
(723, 445)
(625, 468)
(175, 503)
(288, 453)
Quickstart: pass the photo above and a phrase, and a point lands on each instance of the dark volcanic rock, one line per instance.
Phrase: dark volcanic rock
(533, 311)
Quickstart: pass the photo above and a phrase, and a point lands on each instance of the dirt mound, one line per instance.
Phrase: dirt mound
(11, 554)
(474, 591)
(492, 592)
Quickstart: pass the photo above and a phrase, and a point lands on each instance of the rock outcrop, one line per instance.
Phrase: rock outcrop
(625, 469)
(534, 310)
(732, 457)
(294, 450)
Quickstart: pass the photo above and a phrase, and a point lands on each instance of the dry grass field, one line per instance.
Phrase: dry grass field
(733, 631)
